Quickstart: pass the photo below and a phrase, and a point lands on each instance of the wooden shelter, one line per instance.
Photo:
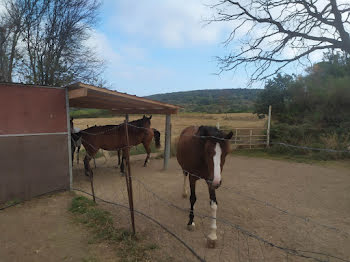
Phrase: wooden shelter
(35, 120)
(88, 96)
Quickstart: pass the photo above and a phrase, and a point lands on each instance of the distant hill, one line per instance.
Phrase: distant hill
(211, 101)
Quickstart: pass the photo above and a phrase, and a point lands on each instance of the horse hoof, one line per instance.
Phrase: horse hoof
(211, 243)
(191, 227)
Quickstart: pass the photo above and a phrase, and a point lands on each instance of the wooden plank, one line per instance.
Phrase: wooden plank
(143, 111)
(77, 93)
(123, 95)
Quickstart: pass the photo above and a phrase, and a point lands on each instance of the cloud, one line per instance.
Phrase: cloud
(125, 62)
(174, 23)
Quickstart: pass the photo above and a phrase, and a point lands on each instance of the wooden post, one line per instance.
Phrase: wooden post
(128, 176)
(167, 143)
(250, 138)
(69, 143)
(236, 136)
(268, 127)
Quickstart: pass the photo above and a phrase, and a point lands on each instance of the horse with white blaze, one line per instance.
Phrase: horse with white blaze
(201, 153)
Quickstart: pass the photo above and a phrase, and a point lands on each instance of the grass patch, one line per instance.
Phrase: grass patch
(11, 203)
(89, 113)
(100, 223)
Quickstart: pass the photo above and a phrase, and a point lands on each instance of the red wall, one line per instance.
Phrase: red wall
(32, 165)
(28, 109)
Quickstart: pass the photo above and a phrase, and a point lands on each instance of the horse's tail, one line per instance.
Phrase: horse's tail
(156, 137)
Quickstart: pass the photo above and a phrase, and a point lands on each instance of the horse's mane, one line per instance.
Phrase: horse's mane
(138, 122)
(210, 132)
(95, 128)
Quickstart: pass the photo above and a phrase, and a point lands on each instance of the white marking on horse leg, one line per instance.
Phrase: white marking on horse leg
(191, 227)
(217, 166)
(214, 207)
(185, 192)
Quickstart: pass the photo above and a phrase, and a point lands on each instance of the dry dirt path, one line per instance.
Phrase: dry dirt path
(319, 193)
(43, 230)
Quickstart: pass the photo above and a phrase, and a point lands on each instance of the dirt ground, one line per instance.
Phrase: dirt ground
(319, 193)
(43, 230)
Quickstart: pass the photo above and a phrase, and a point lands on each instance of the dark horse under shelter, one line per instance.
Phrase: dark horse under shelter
(201, 153)
(113, 138)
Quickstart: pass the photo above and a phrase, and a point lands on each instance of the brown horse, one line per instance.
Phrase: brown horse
(201, 153)
(112, 137)
(156, 135)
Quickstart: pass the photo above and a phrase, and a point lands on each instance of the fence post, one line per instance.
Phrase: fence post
(250, 138)
(128, 175)
(268, 127)
(167, 141)
(236, 136)
(70, 164)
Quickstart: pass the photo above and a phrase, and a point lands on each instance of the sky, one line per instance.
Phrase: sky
(162, 46)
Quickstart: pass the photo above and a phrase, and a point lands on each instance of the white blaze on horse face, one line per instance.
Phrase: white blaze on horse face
(217, 166)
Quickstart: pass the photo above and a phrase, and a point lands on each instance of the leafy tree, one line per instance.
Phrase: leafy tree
(274, 94)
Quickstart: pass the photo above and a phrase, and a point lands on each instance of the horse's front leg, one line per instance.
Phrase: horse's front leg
(191, 224)
(214, 206)
(148, 150)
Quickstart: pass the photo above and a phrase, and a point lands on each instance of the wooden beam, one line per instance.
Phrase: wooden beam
(122, 95)
(77, 93)
(143, 111)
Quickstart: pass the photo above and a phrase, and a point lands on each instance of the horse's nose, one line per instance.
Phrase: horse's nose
(216, 185)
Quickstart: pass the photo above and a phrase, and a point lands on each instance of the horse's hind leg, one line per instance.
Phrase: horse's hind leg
(148, 150)
(185, 192)
(90, 174)
(118, 157)
(190, 224)
(73, 150)
(87, 167)
(122, 166)
(213, 205)
(78, 155)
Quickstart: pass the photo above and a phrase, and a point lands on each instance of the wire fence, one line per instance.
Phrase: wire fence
(244, 248)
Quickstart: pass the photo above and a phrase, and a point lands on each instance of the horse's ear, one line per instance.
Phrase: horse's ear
(150, 117)
(229, 135)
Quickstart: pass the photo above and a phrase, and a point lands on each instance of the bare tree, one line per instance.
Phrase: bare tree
(50, 42)
(11, 27)
(271, 34)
